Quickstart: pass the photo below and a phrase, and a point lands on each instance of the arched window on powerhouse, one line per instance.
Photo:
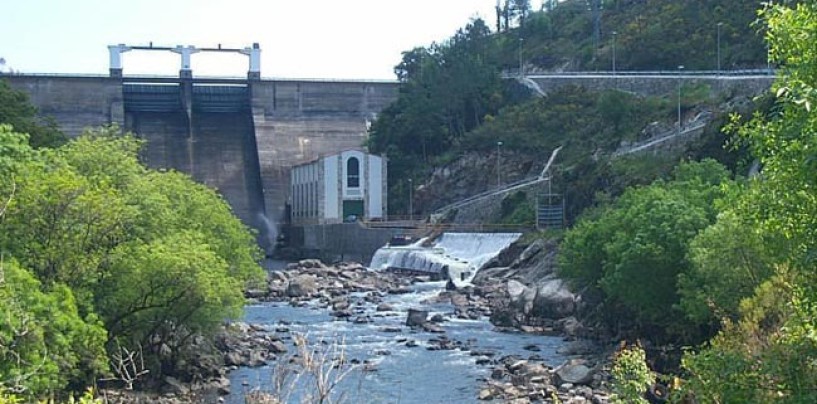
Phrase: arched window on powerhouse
(353, 173)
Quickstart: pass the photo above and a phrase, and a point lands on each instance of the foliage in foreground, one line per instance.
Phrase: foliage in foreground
(313, 375)
(44, 342)
(769, 354)
(631, 376)
(102, 252)
(742, 268)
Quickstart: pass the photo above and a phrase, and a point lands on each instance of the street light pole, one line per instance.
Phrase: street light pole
(521, 73)
(680, 68)
(720, 24)
(498, 176)
(614, 52)
(411, 199)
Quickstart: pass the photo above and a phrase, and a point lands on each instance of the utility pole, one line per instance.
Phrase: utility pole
(720, 24)
(680, 69)
(614, 52)
(411, 199)
(498, 165)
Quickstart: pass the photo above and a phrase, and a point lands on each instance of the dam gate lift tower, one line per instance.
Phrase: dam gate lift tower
(185, 70)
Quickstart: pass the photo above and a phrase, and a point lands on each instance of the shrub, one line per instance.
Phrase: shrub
(631, 375)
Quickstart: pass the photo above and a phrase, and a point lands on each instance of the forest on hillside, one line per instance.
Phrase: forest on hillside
(452, 98)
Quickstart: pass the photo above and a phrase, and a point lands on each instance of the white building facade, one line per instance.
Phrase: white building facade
(350, 185)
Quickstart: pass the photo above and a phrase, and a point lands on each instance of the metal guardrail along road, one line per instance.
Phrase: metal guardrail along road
(743, 73)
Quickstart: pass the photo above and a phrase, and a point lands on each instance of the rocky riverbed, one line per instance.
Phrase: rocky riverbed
(355, 295)
(344, 289)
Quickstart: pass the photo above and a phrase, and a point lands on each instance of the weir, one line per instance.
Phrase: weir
(458, 256)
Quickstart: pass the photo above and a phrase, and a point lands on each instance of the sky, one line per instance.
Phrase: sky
(322, 39)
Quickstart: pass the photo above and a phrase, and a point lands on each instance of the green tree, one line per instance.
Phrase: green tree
(14, 152)
(631, 377)
(648, 249)
(730, 260)
(635, 250)
(156, 256)
(582, 253)
(167, 291)
(446, 90)
(44, 342)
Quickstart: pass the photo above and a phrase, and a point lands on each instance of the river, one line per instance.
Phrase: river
(398, 373)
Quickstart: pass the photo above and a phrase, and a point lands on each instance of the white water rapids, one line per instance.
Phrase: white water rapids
(462, 253)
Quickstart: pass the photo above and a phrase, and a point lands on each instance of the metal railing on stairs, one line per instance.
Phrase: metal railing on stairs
(543, 176)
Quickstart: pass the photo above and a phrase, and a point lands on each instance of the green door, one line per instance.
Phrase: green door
(352, 208)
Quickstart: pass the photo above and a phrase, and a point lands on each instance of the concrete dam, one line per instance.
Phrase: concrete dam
(240, 136)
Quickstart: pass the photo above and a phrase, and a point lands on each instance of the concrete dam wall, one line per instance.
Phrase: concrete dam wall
(298, 121)
(74, 102)
(240, 137)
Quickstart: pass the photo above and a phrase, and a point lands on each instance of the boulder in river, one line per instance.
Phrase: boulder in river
(342, 304)
(310, 263)
(433, 328)
(174, 386)
(278, 276)
(573, 374)
(255, 359)
(255, 293)
(416, 318)
(521, 296)
(553, 299)
(342, 313)
(570, 325)
(277, 347)
(302, 286)
(233, 359)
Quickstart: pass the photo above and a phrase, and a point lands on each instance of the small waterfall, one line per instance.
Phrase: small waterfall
(476, 248)
(268, 233)
(461, 255)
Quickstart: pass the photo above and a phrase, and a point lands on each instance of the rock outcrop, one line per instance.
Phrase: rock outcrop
(526, 292)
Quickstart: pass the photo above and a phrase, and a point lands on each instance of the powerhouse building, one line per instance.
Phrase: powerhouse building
(346, 186)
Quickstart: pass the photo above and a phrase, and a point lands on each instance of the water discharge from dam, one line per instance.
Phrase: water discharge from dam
(459, 254)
